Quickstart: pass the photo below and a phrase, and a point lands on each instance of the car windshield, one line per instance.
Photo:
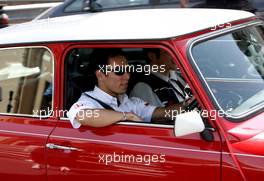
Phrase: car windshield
(232, 66)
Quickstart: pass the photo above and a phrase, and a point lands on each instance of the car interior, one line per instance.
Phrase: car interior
(79, 76)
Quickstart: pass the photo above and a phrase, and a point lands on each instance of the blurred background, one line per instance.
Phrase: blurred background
(19, 11)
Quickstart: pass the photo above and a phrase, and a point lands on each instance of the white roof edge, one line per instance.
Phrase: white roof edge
(120, 25)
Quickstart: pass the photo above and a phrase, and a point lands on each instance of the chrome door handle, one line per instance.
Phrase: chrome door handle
(53, 146)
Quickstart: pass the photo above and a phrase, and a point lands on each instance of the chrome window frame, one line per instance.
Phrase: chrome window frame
(131, 123)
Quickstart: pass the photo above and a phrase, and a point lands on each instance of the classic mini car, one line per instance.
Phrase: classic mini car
(45, 66)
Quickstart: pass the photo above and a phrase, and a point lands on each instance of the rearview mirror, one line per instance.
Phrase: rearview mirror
(188, 123)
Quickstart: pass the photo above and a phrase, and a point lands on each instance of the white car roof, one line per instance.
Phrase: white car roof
(120, 25)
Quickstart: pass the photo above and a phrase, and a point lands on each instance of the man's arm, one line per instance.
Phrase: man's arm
(165, 113)
(103, 117)
(168, 113)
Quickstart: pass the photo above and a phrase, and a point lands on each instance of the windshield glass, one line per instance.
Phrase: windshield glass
(232, 66)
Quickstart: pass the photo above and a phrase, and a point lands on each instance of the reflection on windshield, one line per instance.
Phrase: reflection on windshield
(233, 67)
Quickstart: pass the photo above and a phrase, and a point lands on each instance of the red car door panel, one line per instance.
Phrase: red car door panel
(102, 153)
(22, 145)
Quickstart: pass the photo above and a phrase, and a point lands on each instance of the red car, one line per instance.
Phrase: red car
(45, 66)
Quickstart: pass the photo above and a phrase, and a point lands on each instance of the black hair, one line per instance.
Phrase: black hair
(156, 51)
(100, 57)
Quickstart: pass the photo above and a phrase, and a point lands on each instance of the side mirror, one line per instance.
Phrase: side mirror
(92, 6)
(188, 123)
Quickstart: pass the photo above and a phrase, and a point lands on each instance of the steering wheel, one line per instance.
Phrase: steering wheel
(194, 104)
(230, 100)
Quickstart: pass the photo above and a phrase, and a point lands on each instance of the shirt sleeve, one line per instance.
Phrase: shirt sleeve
(77, 109)
(144, 92)
(142, 109)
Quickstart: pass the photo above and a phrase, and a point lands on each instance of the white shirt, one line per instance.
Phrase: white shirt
(173, 76)
(145, 92)
(134, 105)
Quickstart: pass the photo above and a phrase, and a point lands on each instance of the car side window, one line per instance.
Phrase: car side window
(78, 70)
(80, 78)
(26, 79)
(75, 6)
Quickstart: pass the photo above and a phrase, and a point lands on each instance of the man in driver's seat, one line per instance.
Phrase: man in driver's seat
(163, 87)
(108, 98)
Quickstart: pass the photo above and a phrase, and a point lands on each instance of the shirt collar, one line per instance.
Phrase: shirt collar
(172, 75)
(106, 98)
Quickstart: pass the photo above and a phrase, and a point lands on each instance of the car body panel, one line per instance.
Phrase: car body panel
(23, 148)
(131, 140)
(242, 154)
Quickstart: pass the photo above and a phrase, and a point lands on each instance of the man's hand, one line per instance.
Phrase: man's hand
(188, 102)
(161, 113)
(132, 117)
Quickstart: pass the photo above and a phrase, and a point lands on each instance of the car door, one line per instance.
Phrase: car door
(127, 150)
(25, 105)
(134, 151)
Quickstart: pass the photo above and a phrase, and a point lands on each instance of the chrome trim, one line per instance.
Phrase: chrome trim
(81, 139)
(23, 133)
(134, 144)
(207, 37)
(234, 80)
(53, 78)
(245, 155)
(146, 124)
(54, 146)
(142, 124)
(249, 155)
